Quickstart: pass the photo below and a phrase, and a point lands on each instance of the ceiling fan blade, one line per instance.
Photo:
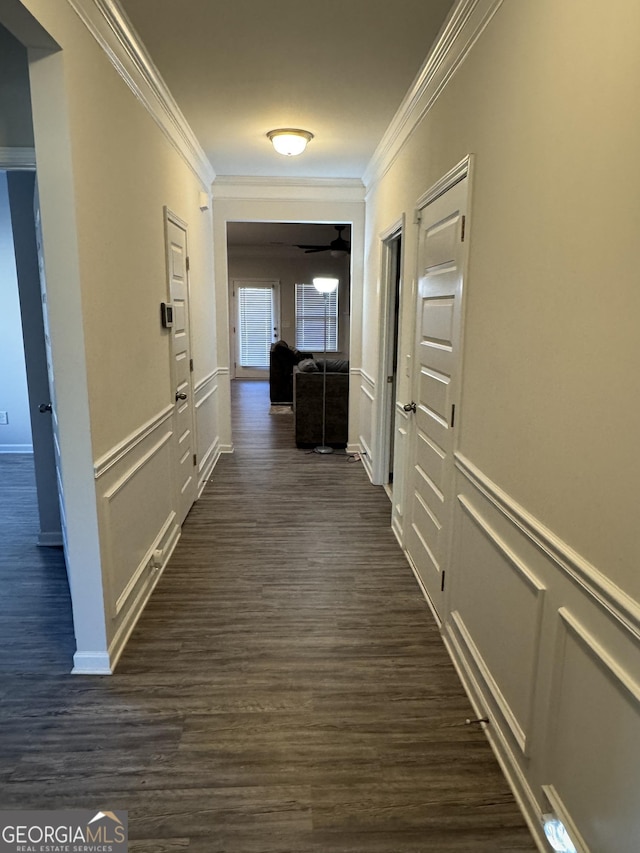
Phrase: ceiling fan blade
(316, 249)
(314, 246)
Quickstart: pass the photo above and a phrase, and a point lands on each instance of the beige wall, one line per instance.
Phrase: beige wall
(124, 172)
(546, 102)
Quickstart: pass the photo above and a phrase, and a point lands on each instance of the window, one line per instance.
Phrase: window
(256, 325)
(310, 317)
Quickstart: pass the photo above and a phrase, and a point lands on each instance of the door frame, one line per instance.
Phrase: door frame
(170, 217)
(385, 414)
(461, 171)
(46, 472)
(237, 371)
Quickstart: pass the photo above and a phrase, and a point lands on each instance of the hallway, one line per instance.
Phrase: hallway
(285, 689)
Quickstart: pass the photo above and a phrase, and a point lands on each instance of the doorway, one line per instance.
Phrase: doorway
(268, 260)
(390, 301)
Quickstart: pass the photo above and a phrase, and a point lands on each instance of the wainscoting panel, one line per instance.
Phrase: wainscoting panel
(594, 738)
(206, 407)
(491, 580)
(400, 450)
(136, 473)
(548, 650)
(367, 409)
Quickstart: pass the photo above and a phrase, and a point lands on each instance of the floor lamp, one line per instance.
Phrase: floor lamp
(325, 286)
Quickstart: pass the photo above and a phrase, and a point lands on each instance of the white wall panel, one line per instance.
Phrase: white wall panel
(207, 401)
(593, 748)
(498, 611)
(367, 392)
(548, 653)
(136, 496)
(400, 447)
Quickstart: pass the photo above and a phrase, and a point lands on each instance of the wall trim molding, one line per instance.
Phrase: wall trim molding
(18, 158)
(119, 641)
(143, 565)
(230, 187)
(488, 680)
(460, 32)
(17, 448)
(91, 663)
(199, 385)
(458, 173)
(596, 651)
(495, 735)
(111, 28)
(120, 450)
(558, 807)
(609, 596)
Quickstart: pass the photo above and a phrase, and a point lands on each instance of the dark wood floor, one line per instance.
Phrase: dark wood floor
(285, 691)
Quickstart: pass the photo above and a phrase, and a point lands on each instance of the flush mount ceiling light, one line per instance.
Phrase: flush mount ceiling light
(289, 140)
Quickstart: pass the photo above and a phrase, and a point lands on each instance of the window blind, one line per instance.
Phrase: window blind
(256, 322)
(310, 305)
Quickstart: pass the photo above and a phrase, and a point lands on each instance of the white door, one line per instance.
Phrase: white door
(436, 387)
(48, 407)
(256, 325)
(185, 460)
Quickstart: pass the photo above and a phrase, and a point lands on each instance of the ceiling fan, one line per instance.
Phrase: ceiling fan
(337, 247)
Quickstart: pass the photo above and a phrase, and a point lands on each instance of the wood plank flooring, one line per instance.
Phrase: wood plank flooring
(285, 691)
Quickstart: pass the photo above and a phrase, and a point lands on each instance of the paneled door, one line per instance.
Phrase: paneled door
(436, 386)
(48, 407)
(181, 365)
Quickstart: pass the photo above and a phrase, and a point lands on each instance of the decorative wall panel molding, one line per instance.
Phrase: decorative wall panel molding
(549, 653)
(609, 596)
(128, 444)
(288, 189)
(593, 744)
(206, 409)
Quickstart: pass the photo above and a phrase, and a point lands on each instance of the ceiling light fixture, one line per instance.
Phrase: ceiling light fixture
(289, 141)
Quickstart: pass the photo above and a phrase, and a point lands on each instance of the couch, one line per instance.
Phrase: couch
(307, 403)
(282, 360)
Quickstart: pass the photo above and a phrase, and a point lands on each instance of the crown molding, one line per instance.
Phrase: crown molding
(115, 34)
(231, 187)
(17, 158)
(460, 32)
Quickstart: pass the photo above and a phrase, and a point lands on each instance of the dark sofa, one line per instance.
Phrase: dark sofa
(307, 403)
(282, 360)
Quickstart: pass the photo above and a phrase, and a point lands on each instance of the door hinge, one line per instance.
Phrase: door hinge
(389, 380)
(195, 459)
(442, 581)
(417, 217)
(188, 263)
(453, 415)
(463, 228)
(191, 365)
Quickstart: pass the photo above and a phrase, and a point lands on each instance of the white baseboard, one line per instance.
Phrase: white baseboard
(50, 539)
(91, 663)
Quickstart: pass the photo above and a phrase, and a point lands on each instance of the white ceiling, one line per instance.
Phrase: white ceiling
(239, 68)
